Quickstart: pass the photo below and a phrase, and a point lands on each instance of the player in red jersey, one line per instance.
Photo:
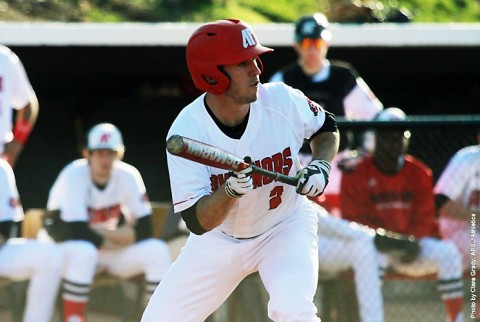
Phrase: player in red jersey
(394, 191)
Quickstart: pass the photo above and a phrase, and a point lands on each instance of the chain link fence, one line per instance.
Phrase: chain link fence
(434, 140)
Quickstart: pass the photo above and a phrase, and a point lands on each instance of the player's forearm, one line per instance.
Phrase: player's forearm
(29, 112)
(456, 210)
(213, 209)
(325, 146)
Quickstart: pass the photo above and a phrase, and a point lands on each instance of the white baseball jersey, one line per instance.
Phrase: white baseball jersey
(79, 199)
(15, 92)
(284, 117)
(10, 206)
(460, 181)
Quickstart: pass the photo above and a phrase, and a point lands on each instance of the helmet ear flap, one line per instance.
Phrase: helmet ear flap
(217, 82)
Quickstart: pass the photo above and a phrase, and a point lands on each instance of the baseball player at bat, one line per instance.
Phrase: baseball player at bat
(392, 190)
(241, 225)
(100, 216)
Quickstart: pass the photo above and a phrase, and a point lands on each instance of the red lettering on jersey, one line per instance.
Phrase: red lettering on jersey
(279, 162)
(267, 164)
(275, 197)
(216, 181)
(392, 200)
(287, 161)
(474, 200)
(257, 179)
(105, 138)
(105, 217)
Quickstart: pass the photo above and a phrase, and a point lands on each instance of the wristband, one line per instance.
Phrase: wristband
(22, 131)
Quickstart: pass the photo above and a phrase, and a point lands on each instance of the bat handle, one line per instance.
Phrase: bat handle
(292, 181)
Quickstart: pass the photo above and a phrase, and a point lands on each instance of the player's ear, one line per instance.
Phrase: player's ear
(120, 155)
(85, 153)
(296, 46)
(210, 80)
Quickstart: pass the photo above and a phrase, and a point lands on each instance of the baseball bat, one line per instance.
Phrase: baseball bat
(215, 157)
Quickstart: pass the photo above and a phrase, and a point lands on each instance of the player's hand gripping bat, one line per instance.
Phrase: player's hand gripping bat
(215, 157)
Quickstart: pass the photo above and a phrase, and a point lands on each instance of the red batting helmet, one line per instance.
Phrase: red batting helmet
(223, 42)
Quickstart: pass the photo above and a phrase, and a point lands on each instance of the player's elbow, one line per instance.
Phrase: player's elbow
(191, 220)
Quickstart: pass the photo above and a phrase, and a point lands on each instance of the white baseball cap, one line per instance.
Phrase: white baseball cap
(391, 114)
(105, 136)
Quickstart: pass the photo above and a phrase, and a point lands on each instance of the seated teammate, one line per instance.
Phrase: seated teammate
(100, 217)
(22, 259)
(392, 190)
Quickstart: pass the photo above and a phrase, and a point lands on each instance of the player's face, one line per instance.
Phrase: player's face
(390, 145)
(101, 163)
(244, 80)
(311, 51)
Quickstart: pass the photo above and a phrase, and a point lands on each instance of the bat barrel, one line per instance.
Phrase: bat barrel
(175, 144)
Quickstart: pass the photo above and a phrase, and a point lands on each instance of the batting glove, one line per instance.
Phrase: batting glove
(239, 183)
(313, 179)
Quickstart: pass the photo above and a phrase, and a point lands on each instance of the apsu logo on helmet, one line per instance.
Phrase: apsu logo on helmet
(247, 37)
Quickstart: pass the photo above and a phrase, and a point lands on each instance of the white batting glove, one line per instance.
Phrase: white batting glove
(313, 179)
(239, 183)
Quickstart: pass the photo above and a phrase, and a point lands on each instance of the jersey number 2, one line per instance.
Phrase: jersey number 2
(275, 197)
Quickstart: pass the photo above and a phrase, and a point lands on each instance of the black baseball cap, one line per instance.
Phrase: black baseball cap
(312, 26)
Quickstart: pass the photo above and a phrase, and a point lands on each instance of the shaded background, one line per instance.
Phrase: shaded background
(142, 89)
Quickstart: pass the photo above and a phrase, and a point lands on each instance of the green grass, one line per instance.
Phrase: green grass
(252, 11)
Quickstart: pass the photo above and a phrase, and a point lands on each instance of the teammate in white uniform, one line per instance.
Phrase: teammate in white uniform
(16, 93)
(243, 223)
(457, 195)
(104, 221)
(22, 259)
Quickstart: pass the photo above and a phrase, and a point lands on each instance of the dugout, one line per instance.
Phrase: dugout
(134, 75)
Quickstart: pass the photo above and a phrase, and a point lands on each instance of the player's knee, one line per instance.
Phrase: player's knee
(156, 250)
(449, 259)
(49, 257)
(288, 310)
(362, 250)
(80, 253)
